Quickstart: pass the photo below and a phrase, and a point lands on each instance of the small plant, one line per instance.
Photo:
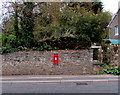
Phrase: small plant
(34, 48)
(104, 65)
(6, 50)
(20, 48)
(112, 70)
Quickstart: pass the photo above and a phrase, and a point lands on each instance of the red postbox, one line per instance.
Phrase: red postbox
(55, 59)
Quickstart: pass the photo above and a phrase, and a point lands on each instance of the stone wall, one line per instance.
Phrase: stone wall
(72, 62)
(111, 55)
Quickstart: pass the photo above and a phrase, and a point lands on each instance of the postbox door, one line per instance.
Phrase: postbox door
(55, 59)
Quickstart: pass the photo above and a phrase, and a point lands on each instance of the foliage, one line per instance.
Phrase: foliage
(54, 44)
(95, 7)
(68, 43)
(44, 25)
(27, 24)
(93, 25)
(7, 25)
(112, 70)
(10, 49)
(7, 41)
(104, 65)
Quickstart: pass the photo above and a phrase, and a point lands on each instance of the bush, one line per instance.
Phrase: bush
(6, 50)
(104, 65)
(62, 43)
(10, 49)
(7, 41)
(113, 70)
(67, 43)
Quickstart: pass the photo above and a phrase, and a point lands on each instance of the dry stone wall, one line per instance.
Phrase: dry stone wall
(72, 62)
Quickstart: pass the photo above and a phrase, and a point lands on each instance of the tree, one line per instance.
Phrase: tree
(27, 24)
(47, 19)
(86, 19)
(77, 7)
(22, 24)
(35, 22)
(93, 25)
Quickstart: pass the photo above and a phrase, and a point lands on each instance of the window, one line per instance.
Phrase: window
(116, 30)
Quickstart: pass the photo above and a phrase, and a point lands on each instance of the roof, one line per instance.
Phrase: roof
(113, 17)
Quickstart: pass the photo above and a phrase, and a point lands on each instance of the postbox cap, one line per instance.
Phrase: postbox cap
(55, 54)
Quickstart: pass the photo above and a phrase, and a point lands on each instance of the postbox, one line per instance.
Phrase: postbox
(55, 59)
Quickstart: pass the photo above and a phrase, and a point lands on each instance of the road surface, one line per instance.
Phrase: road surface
(60, 84)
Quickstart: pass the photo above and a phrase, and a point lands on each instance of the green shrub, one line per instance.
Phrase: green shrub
(112, 70)
(10, 49)
(62, 43)
(104, 65)
(20, 48)
(34, 48)
(101, 73)
(6, 50)
(66, 43)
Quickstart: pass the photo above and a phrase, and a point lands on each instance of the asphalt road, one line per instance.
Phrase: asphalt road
(89, 87)
(60, 85)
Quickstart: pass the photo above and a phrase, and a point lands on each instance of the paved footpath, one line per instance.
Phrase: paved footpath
(60, 84)
(58, 78)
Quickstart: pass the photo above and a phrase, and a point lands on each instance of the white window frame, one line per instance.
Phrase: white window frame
(116, 30)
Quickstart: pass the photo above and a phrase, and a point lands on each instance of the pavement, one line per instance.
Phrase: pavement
(60, 84)
(58, 78)
(87, 87)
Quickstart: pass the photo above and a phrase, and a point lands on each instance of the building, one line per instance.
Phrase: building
(113, 50)
(114, 30)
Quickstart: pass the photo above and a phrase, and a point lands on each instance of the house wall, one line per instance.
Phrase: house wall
(119, 23)
(73, 62)
(112, 28)
(113, 23)
(119, 34)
